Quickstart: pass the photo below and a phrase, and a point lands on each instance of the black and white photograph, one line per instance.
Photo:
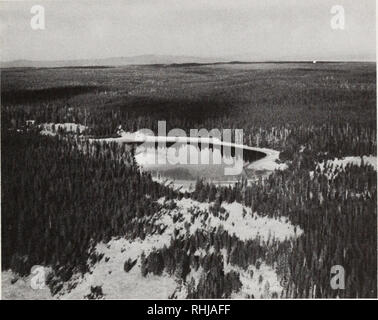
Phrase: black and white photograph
(188, 150)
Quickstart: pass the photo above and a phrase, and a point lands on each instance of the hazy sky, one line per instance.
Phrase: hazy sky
(235, 29)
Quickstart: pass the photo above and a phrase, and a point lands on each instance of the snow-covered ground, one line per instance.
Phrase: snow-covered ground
(241, 221)
(261, 282)
(118, 284)
(343, 162)
(48, 128)
(251, 285)
(109, 273)
(331, 167)
(14, 287)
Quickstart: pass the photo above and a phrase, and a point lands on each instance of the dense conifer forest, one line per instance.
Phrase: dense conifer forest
(61, 194)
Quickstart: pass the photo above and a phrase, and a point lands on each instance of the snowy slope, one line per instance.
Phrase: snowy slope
(118, 284)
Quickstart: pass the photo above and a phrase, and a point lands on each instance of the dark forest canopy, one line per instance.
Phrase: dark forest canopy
(60, 197)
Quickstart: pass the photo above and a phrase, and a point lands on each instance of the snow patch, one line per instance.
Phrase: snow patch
(51, 129)
(109, 272)
(262, 282)
(331, 167)
(257, 282)
(343, 162)
(14, 287)
(240, 221)
(115, 282)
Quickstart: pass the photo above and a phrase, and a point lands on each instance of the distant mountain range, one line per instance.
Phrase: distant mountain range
(116, 61)
(159, 59)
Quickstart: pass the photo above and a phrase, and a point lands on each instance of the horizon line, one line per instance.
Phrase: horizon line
(220, 61)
